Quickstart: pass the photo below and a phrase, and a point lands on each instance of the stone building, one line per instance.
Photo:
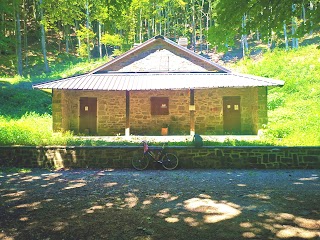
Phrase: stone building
(160, 84)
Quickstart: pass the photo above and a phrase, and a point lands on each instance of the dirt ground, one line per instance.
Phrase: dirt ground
(159, 204)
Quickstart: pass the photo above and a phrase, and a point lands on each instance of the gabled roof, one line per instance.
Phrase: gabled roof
(117, 81)
(162, 51)
(158, 63)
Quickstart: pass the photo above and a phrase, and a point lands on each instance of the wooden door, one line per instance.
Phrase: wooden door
(231, 115)
(88, 116)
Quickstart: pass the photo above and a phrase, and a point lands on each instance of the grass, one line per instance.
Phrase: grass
(294, 112)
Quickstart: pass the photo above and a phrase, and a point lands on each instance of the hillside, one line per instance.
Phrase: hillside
(294, 110)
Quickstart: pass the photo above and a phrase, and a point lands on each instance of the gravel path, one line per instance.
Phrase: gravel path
(159, 204)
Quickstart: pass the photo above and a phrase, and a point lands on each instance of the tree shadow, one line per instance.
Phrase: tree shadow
(126, 204)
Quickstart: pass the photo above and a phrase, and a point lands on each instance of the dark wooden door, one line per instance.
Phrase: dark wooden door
(88, 115)
(231, 115)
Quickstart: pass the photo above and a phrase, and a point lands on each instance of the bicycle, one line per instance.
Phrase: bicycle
(169, 161)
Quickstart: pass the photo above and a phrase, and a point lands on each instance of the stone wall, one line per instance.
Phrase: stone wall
(189, 157)
(143, 123)
(111, 115)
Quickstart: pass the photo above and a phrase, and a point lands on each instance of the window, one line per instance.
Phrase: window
(159, 106)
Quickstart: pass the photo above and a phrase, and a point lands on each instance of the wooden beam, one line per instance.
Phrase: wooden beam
(127, 130)
(192, 113)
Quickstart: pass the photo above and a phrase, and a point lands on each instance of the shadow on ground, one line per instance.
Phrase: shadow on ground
(183, 204)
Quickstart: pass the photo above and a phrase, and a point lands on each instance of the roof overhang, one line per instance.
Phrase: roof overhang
(131, 81)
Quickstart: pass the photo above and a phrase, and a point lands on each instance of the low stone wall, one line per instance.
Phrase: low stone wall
(189, 157)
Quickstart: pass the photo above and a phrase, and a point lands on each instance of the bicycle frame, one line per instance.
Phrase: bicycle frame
(155, 156)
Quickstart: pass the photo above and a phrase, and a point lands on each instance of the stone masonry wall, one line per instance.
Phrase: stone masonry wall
(209, 109)
(143, 123)
(189, 157)
(111, 113)
(111, 110)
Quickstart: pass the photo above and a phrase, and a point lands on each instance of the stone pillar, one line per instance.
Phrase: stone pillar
(56, 110)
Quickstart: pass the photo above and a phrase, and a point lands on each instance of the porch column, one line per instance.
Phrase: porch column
(127, 130)
(192, 113)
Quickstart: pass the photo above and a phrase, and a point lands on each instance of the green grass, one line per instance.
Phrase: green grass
(294, 109)
(30, 129)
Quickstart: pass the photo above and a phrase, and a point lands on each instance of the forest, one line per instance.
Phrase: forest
(43, 40)
(34, 32)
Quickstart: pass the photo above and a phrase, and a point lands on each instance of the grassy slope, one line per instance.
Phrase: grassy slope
(293, 116)
(294, 110)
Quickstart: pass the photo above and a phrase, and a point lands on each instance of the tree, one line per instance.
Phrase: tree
(43, 38)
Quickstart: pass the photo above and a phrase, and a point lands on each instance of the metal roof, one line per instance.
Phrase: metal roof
(117, 81)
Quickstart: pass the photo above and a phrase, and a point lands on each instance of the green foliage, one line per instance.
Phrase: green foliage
(112, 40)
(8, 170)
(30, 129)
(294, 111)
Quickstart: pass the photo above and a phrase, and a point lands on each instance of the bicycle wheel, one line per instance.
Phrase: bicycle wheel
(170, 161)
(140, 162)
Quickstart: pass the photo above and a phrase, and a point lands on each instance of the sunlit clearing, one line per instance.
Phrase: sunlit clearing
(291, 232)
(59, 226)
(191, 221)
(30, 178)
(259, 196)
(213, 211)
(246, 225)
(24, 219)
(92, 209)
(76, 185)
(308, 223)
(146, 202)
(172, 219)
(51, 176)
(248, 235)
(241, 185)
(309, 179)
(4, 236)
(286, 225)
(109, 205)
(166, 196)
(15, 194)
(47, 185)
(111, 184)
(109, 170)
(34, 205)
(131, 200)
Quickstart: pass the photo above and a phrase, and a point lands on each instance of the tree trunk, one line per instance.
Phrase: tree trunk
(66, 32)
(193, 26)
(18, 42)
(77, 28)
(87, 25)
(285, 35)
(140, 25)
(244, 39)
(99, 40)
(295, 42)
(25, 35)
(43, 40)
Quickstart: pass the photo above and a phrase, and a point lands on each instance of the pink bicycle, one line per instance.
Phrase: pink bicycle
(169, 161)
